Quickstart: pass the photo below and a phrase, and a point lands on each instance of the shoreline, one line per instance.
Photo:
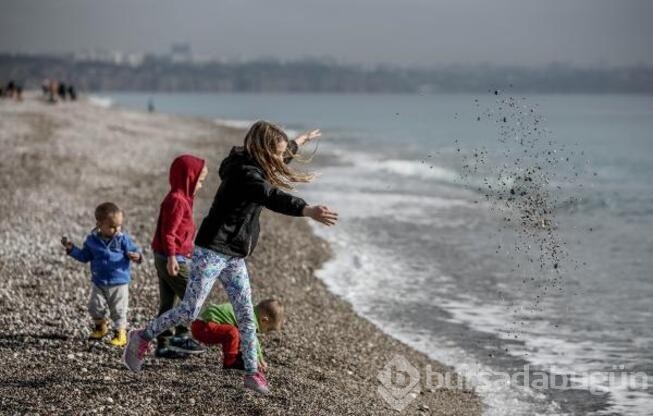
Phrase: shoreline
(66, 158)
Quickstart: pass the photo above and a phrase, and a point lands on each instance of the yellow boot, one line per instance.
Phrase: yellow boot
(100, 330)
(119, 338)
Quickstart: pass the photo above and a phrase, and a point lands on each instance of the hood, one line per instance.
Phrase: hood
(184, 172)
(237, 160)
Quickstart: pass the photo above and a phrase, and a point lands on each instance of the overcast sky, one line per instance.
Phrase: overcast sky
(405, 32)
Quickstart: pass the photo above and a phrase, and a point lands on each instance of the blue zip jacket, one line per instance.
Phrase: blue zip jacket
(110, 265)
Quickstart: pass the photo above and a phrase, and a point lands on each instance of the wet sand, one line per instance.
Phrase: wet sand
(57, 163)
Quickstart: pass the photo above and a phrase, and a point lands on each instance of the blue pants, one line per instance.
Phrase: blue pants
(208, 266)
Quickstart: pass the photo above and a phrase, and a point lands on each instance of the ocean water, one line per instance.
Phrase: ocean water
(492, 232)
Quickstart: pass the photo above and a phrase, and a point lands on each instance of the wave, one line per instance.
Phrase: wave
(100, 101)
(419, 170)
(360, 275)
(234, 123)
(425, 170)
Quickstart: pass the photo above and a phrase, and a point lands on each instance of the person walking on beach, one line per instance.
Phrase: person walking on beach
(219, 326)
(172, 246)
(110, 252)
(252, 178)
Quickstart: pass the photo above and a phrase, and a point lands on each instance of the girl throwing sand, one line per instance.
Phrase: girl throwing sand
(253, 177)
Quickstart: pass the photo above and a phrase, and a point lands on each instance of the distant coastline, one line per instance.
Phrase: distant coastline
(157, 73)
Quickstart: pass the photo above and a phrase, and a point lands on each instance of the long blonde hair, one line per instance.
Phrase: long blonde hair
(261, 144)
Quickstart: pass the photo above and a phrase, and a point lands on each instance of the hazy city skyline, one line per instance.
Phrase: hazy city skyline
(410, 32)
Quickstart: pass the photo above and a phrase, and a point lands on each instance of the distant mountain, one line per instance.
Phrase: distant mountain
(159, 74)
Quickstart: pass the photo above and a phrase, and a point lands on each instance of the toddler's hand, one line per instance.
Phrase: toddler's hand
(263, 366)
(173, 266)
(66, 243)
(134, 256)
(322, 214)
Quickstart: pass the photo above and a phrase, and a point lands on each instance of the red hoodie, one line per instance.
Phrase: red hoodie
(175, 228)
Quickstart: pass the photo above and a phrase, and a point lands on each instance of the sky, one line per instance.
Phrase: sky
(422, 33)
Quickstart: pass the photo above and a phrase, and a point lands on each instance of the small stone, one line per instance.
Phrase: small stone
(71, 356)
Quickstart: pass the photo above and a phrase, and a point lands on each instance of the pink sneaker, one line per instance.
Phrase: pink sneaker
(257, 382)
(135, 350)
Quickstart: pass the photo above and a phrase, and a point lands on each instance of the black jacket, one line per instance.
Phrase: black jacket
(232, 224)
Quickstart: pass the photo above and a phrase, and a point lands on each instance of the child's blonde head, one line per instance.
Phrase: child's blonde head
(267, 144)
(270, 315)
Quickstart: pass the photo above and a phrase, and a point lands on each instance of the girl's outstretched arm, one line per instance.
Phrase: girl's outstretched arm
(307, 137)
(322, 214)
(260, 191)
(302, 139)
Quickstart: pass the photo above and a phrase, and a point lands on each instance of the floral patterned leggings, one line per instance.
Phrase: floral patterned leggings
(208, 266)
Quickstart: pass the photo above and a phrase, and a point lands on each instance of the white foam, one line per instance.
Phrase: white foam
(235, 124)
(358, 269)
(362, 269)
(560, 355)
(419, 170)
(100, 101)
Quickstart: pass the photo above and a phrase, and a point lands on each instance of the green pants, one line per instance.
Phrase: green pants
(171, 290)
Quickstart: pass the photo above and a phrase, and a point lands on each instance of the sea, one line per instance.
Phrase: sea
(507, 235)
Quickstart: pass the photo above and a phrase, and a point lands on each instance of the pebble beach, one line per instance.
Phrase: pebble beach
(58, 162)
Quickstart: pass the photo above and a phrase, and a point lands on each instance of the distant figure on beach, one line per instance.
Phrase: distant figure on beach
(50, 89)
(150, 106)
(12, 90)
(110, 252)
(253, 177)
(173, 250)
(45, 87)
(219, 326)
(61, 91)
(72, 92)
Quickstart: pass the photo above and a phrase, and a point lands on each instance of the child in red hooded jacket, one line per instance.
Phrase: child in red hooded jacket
(173, 248)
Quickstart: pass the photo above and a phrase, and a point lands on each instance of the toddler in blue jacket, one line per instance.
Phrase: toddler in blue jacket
(110, 252)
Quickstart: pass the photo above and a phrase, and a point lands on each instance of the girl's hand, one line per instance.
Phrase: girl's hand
(322, 214)
(308, 136)
(173, 266)
(263, 366)
(133, 256)
(67, 243)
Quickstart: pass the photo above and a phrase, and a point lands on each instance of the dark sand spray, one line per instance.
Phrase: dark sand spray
(521, 178)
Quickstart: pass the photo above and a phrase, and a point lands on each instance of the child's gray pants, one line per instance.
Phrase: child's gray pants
(110, 301)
